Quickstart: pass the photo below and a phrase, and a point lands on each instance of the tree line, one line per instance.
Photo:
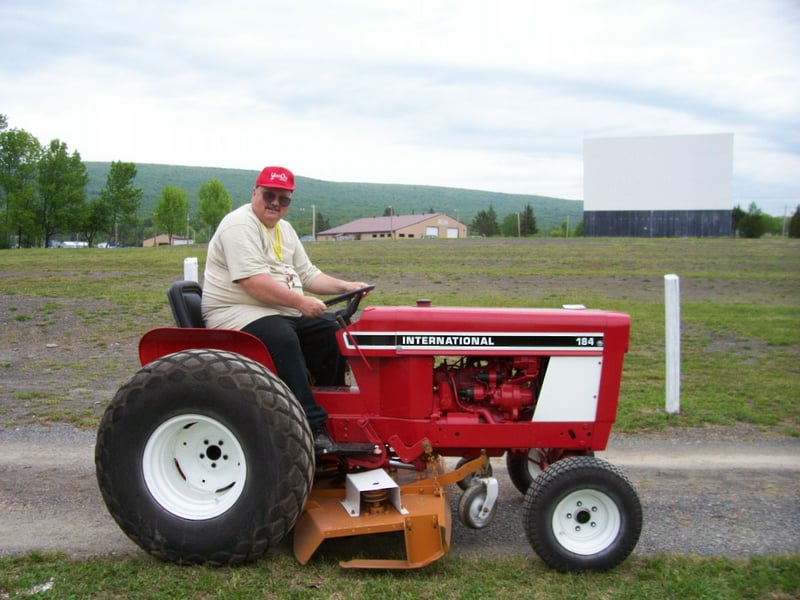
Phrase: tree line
(754, 223)
(43, 198)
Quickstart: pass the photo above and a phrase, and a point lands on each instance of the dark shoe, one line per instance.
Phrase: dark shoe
(323, 444)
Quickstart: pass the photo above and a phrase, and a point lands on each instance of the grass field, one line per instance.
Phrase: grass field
(740, 314)
(72, 318)
(658, 578)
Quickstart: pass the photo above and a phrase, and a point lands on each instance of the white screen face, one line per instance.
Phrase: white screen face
(682, 172)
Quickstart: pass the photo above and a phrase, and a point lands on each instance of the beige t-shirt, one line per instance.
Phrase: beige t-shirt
(242, 247)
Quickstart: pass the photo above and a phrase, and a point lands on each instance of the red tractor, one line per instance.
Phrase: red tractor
(205, 456)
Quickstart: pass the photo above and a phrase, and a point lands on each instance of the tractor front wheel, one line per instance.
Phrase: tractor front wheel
(582, 514)
(524, 468)
(204, 456)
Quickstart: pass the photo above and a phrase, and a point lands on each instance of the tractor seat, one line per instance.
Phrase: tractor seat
(185, 299)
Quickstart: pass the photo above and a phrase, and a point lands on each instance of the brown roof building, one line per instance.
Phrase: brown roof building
(431, 225)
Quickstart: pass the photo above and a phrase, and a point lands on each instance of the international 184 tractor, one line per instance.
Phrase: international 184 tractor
(205, 456)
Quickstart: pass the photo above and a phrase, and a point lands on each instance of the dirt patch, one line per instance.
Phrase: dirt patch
(62, 359)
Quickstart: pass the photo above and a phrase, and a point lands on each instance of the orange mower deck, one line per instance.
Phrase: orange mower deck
(371, 503)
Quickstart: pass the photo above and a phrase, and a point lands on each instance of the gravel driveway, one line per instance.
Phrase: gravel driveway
(705, 492)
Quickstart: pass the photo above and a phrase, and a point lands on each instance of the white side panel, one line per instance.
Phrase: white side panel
(569, 391)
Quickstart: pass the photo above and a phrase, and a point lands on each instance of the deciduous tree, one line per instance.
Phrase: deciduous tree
(62, 190)
(172, 210)
(19, 157)
(121, 197)
(214, 203)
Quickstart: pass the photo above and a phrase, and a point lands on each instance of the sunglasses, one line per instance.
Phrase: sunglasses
(270, 196)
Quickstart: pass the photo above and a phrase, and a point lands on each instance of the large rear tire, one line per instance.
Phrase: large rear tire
(582, 514)
(204, 456)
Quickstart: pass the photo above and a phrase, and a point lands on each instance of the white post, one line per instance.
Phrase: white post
(672, 300)
(190, 269)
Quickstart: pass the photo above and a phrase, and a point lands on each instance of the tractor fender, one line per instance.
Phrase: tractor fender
(162, 341)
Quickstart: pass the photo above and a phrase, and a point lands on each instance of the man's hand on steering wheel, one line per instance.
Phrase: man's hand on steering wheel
(353, 298)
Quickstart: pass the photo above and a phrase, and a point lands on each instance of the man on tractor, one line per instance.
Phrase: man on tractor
(255, 275)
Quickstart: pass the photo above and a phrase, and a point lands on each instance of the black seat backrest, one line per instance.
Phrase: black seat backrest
(185, 298)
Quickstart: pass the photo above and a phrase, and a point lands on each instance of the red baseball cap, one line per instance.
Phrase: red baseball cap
(276, 177)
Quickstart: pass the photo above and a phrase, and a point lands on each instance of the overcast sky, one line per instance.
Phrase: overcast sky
(463, 93)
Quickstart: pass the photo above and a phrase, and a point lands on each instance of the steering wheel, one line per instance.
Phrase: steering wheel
(352, 298)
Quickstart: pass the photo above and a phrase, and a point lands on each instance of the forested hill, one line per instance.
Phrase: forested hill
(344, 202)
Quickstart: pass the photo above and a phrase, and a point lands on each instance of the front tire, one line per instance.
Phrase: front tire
(582, 514)
(204, 456)
(524, 468)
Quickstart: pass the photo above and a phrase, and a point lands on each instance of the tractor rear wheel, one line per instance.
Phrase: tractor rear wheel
(582, 514)
(204, 456)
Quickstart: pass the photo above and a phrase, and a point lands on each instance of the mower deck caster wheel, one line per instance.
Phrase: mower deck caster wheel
(478, 504)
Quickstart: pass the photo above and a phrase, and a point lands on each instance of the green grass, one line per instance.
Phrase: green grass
(740, 306)
(673, 577)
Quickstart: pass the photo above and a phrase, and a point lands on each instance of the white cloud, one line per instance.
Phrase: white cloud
(461, 93)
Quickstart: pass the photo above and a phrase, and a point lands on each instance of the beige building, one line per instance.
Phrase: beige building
(163, 239)
(431, 225)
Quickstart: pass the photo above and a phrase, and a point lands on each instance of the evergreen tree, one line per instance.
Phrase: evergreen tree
(485, 223)
(794, 224)
(527, 222)
(322, 222)
(736, 217)
(753, 224)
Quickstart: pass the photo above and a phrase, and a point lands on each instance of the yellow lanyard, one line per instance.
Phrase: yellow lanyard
(277, 245)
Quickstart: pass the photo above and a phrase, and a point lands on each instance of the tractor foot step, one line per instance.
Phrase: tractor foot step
(353, 448)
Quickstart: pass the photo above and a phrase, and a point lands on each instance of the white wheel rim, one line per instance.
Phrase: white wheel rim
(194, 467)
(534, 462)
(475, 509)
(586, 522)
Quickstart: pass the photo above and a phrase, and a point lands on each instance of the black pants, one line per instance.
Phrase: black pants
(301, 347)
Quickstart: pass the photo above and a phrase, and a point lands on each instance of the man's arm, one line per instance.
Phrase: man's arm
(325, 285)
(265, 289)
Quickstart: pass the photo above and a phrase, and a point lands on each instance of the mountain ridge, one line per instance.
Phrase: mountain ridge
(341, 202)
